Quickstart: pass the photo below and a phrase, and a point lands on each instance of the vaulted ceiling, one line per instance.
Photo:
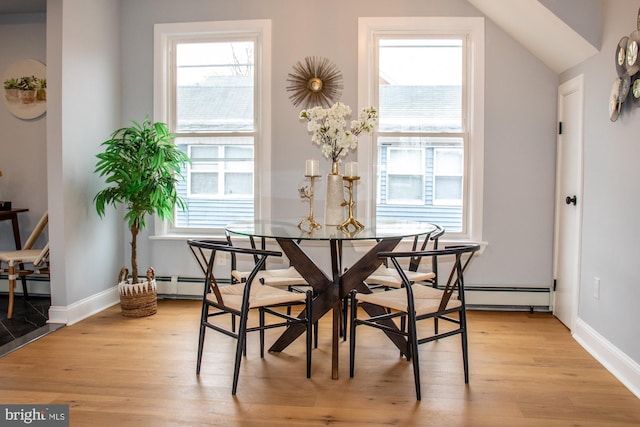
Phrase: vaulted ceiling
(547, 36)
(530, 22)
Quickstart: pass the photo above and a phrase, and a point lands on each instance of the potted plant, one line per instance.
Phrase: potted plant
(11, 89)
(28, 86)
(141, 165)
(41, 92)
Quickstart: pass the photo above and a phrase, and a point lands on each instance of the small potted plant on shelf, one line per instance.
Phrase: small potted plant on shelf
(11, 89)
(28, 86)
(41, 91)
(141, 165)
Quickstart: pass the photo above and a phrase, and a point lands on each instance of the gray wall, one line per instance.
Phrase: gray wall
(100, 55)
(23, 150)
(83, 58)
(108, 84)
(611, 205)
(520, 111)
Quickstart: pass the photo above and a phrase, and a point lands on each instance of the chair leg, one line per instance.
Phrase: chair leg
(262, 332)
(413, 349)
(315, 335)
(12, 285)
(203, 328)
(403, 326)
(25, 291)
(465, 346)
(309, 332)
(345, 312)
(352, 336)
(240, 349)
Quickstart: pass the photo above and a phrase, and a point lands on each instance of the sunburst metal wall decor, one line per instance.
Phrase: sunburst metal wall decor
(315, 81)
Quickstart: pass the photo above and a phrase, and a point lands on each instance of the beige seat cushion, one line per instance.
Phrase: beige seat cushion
(389, 277)
(25, 255)
(261, 296)
(426, 299)
(276, 277)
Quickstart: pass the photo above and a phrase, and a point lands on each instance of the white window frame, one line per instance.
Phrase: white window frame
(444, 202)
(472, 28)
(219, 169)
(420, 172)
(164, 98)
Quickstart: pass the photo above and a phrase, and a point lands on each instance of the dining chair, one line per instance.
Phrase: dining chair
(388, 278)
(288, 277)
(416, 302)
(36, 259)
(279, 277)
(239, 299)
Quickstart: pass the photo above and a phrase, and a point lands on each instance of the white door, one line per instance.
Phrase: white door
(568, 215)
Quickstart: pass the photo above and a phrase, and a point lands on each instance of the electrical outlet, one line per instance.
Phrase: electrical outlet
(596, 287)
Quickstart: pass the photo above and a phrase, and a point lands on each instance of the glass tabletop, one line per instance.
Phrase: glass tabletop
(288, 229)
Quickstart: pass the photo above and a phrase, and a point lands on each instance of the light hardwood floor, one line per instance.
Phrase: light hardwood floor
(526, 370)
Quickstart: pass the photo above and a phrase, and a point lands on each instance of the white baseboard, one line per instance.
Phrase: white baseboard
(82, 309)
(615, 361)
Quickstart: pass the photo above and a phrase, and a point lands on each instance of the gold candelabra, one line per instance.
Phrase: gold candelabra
(307, 193)
(351, 220)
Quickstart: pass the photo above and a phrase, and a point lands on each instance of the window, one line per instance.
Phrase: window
(425, 76)
(209, 87)
(447, 176)
(405, 174)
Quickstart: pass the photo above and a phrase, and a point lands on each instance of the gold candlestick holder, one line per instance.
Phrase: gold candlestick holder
(351, 203)
(307, 193)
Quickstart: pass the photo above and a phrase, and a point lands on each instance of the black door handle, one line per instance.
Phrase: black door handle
(571, 200)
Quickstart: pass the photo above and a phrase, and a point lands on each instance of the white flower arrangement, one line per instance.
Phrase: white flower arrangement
(328, 127)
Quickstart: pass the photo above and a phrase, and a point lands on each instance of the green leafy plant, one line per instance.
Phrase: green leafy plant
(28, 83)
(11, 84)
(141, 166)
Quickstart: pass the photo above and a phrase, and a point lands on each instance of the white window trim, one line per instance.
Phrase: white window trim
(473, 28)
(421, 172)
(443, 202)
(163, 34)
(220, 170)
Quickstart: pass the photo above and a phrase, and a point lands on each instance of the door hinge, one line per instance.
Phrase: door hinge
(559, 128)
(555, 284)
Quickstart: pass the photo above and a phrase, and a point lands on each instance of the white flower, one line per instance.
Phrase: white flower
(328, 128)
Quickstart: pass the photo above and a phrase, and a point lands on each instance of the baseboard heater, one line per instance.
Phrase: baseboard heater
(478, 297)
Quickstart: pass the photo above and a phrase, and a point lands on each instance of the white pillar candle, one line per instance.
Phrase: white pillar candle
(313, 168)
(351, 169)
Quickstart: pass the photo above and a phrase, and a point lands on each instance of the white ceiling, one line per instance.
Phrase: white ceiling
(544, 34)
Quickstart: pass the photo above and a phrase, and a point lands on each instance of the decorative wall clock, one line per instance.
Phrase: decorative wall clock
(628, 69)
(635, 92)
(614, 100)
(314, 81)
(621, 56)
(633, 59)
(25, 89)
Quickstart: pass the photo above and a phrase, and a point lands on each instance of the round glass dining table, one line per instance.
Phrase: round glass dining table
(385, 235)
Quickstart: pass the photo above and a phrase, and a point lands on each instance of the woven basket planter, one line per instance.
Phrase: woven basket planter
(139, 299)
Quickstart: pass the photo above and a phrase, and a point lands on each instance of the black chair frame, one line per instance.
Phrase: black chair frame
(408, 330)
(199, 248)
